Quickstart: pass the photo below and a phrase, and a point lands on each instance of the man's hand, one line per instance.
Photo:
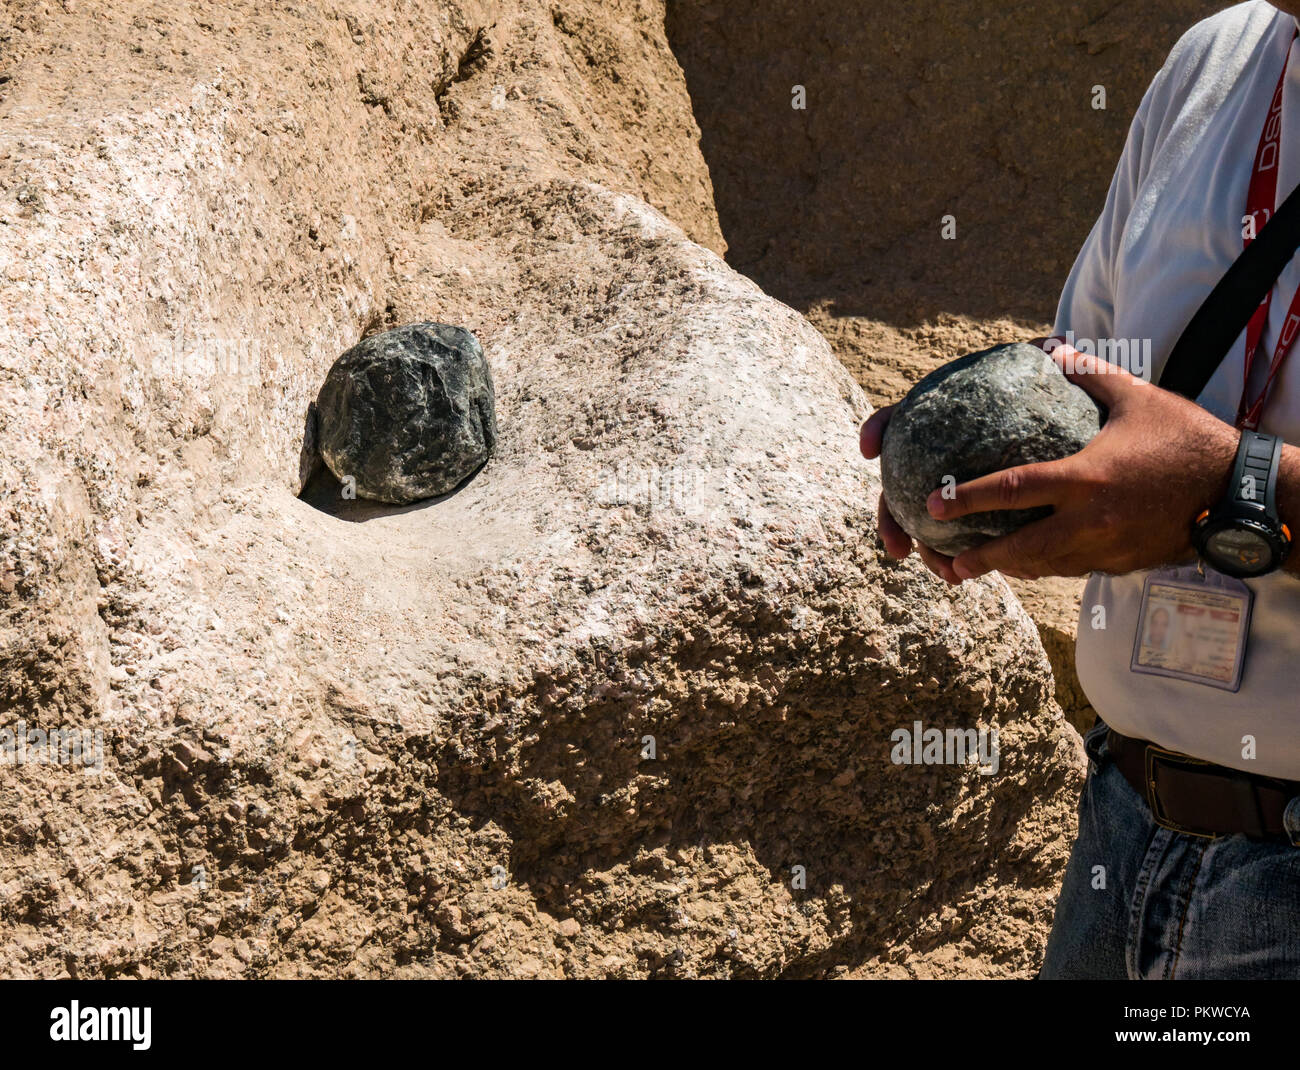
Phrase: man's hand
(1124, 502)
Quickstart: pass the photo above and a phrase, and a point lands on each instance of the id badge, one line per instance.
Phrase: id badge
(1193, 625)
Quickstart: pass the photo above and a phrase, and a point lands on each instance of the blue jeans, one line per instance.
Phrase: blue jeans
(1142, 902)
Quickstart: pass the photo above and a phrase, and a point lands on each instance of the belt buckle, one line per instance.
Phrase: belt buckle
(1156, 754)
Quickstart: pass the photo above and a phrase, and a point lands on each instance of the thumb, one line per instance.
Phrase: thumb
(1104, 382)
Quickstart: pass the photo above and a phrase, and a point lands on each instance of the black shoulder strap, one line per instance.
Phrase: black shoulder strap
(1222, 317)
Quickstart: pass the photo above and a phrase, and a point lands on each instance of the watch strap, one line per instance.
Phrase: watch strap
(1254, 475)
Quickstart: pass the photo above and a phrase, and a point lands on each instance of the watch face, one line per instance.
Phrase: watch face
(1245, 549)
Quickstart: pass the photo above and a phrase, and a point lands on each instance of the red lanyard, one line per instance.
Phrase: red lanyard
(1260, 201)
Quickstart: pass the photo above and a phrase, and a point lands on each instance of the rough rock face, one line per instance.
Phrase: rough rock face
(999, 408)
(625, 705)
(408, 413)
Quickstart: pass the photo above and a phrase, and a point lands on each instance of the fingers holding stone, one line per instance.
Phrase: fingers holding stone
(1029, 551)
(872, 432)
(966, 419)
(1023, 487)
(939, 564)
(897, 542)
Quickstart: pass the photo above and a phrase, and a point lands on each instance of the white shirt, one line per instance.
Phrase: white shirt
(1170, 228)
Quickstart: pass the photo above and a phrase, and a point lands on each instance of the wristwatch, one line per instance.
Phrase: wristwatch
(1242, 536)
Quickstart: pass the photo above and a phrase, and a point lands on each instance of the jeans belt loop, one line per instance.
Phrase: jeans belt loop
(1096, 745)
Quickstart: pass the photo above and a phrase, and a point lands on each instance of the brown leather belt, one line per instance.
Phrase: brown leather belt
(1199, 798)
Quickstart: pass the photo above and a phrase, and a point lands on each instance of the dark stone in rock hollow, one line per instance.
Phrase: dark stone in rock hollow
(1003, 407)
(409, 413)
